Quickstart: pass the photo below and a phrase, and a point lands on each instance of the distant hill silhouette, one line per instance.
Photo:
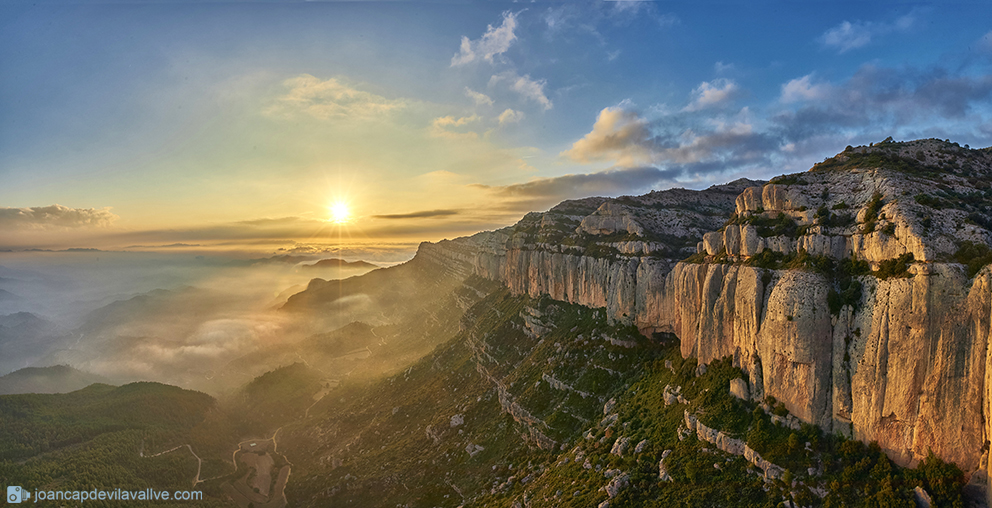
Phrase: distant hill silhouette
(340, 263)
(54, 379)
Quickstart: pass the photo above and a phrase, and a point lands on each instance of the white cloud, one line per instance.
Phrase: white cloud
(539, 193)
(332, 99)
(510, 116)
(803, 89)
(55, 217)
(480, 98)
(524, 85)
(632, 6)
(712, 94)
(494, 42)
(847, 36)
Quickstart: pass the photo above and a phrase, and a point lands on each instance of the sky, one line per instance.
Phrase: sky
(310, 126)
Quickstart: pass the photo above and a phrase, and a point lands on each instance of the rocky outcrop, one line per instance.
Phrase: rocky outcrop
(732, 446)
(611, 218)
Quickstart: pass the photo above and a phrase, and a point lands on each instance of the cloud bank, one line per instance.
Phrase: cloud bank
(541, 193)
(56, 216)
(417, 215)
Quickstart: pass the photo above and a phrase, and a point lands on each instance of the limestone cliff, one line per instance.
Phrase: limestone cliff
(889, 346)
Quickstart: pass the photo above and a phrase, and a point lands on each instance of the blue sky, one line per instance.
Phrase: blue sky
(239, 124)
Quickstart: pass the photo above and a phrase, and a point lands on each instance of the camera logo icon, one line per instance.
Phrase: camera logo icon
(17, 494)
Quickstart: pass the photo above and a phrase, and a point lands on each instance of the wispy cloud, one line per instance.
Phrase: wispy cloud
(494, 42)
(847, 35)
(479, 98)
(418, 215)
(626, 11)
(55, 217)
(713, 93)
(332, 98)
(525, 86)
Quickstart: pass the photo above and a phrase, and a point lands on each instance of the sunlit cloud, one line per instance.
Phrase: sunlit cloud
(331, 98)
(618, 135)
(676, 142)
(443, 127)
(494, 42)
(510, 116)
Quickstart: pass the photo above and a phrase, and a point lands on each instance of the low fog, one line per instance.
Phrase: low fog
(175, 318)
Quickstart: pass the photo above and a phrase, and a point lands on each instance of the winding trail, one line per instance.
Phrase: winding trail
(199, 461)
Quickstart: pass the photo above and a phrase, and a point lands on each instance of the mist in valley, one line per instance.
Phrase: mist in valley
(199, 322)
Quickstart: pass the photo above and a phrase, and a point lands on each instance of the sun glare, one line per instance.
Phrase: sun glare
(339, 213)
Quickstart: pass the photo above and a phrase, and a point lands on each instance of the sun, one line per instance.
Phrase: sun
(340, 214)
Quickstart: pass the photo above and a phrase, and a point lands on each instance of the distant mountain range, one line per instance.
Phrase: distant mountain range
(54, 379)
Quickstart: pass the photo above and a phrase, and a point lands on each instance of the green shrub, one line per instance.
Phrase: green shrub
(787, 180)
(942, 480)
(974, 256)
(697, 258)
(842, 220)
(781, 225)
(931, 201)
(898, 267)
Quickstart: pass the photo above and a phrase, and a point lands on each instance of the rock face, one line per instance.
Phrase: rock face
(904, 363)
